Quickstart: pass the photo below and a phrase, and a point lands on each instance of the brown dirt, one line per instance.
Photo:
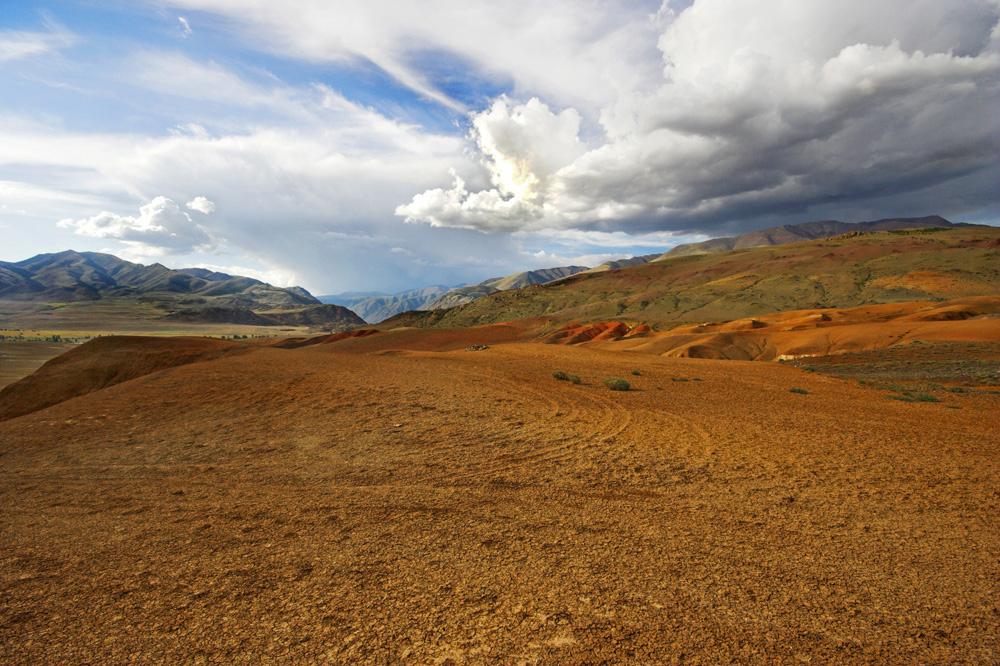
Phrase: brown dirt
(105, 362)
(20, 358)
(296, 343)
(360, 503)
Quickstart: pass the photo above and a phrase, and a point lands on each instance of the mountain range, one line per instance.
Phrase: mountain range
(378, 308)
(849, 270)
(375, 308)
(467, 294)
(189, 294)
(198, 294)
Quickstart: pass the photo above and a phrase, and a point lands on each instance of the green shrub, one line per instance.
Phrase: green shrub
(636, 373)
(901, 398)
(573, 379)
(956, 389)
(560, 375)
(616, 384)
(926, 397)
(798, 390)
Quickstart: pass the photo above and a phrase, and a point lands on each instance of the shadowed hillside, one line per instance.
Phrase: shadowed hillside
(105, 362)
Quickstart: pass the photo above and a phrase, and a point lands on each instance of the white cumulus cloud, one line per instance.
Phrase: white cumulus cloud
(202, 205)
(522, 147)
(765, 108)
(161, 228)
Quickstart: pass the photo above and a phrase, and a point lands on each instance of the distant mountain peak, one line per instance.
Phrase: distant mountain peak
(86, 276)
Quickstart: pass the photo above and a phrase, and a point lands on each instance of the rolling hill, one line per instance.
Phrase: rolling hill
(380, 307)
(796, 233)
(850, 270)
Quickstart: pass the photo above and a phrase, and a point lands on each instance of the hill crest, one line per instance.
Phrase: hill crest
(874, 267)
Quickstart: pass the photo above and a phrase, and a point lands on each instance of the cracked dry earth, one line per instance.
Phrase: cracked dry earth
(318, 506)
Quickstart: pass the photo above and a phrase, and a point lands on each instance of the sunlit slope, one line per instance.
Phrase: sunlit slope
(841, 272)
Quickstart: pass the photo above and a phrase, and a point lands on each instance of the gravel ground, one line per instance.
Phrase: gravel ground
(316, 506)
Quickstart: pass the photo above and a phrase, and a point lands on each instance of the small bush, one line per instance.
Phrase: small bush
(636, 373)
(926, 397)
(901, 398)
(678, 379)
(616, 384)
(956, 389)
(696, 379)
(573, 379)
(798, 390)
(809, 368)
(560, 375)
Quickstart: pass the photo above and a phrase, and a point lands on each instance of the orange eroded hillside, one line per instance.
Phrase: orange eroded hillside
(362, 502)
(822, 332)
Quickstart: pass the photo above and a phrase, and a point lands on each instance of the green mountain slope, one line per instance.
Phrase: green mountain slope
(796, 233)
(845, 271)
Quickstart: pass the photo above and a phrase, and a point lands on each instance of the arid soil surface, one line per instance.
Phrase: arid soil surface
(357, 503)
(19, 358)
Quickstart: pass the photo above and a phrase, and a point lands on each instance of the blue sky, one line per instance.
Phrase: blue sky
(393, 145)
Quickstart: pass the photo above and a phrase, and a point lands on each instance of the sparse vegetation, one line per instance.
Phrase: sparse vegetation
(617, 384)
(798, 390)
(636, 373)
(566, 377)
(901, 398)
(926, 397)
(956, 367)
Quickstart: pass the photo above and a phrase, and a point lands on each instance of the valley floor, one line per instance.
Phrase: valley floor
(357, 504)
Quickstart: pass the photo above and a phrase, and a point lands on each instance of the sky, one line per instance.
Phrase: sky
(389, 145)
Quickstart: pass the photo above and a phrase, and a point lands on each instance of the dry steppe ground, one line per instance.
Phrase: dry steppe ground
(358, 503)
(19, 358)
